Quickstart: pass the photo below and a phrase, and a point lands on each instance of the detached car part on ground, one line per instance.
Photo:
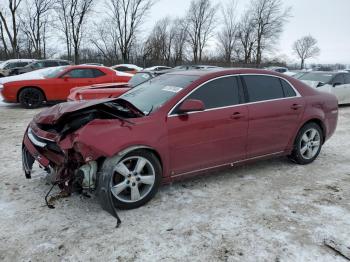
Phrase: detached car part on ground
(174, 126)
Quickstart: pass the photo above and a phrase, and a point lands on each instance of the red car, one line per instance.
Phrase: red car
(54, 84)
(109, 90)
(177, 125)
(98, 91)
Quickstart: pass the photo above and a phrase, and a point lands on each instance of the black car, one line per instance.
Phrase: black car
(39, 64)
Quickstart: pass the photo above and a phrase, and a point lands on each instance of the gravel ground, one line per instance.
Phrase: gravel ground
(268, 211)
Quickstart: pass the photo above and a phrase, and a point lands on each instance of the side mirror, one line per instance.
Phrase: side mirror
(320, 84)
(336, 84)
(191, 105)
(65, 77)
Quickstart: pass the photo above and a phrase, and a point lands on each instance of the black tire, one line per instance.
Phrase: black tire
(31, 97)
(298, 155)
(115, 178)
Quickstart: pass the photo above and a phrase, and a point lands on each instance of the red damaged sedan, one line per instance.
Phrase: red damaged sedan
(177, 125)
(54, 84)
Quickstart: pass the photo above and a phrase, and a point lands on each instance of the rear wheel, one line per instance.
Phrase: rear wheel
(31, 97)
(308, 144)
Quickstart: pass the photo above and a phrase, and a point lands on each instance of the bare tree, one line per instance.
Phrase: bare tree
(160, 42)
(306, 47)
(128, 16)
(3, 40)
(11, 25)
(269, 18)
(35, 22)
(179, 29)
(200, 26)
(72, 15)
(227, 37)
(247, 37)
(106, 41)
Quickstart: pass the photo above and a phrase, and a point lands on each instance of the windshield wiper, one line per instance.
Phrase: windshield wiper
(150, 111)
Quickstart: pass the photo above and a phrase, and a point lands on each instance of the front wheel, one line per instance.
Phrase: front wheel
(308, 144)
(31, 97)
(135, 179)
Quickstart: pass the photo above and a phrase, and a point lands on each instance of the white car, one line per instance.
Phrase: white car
(157, 68)
(5, 67)
(278, 69)
(337, 83)
(127, 68)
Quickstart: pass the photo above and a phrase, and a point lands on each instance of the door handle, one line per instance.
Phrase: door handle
(296, 106)
(236, 115)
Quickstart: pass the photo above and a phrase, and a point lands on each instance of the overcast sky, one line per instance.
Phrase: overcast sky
(326, 20)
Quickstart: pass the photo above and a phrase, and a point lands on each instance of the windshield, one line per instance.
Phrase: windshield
(319, 77)
(152, 94)
(53, 72)
(139, 78)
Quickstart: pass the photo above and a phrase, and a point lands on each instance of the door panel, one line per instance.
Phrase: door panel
(206, 139)
(342, 92)
(272, 124)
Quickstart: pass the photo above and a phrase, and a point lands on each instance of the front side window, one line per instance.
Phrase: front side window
(50, 63)
(81, 73)
(22, 64)
(218, 93)
(262, 88)
(347, 78)
(338, 79)
(63, 63)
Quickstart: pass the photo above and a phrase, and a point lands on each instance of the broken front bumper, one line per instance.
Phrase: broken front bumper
(35, 148)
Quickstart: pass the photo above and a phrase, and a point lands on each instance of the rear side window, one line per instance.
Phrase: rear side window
(63, 63)
(218, 93)
(123, 69)
(287, 89)
(262, 88)
(97, 72)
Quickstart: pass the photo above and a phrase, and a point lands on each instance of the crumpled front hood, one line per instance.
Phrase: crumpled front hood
(54, 113)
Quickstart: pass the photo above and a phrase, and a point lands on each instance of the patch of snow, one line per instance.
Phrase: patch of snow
(129, 65)
(118, 73)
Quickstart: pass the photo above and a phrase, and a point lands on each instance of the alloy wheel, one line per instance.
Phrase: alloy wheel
(310, 143)
(133, 179)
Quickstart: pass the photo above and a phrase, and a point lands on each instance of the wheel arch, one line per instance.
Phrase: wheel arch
(141, 147)
(35, 87)
(320, 123)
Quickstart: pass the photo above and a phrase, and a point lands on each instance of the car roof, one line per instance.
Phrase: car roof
(223, 71)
